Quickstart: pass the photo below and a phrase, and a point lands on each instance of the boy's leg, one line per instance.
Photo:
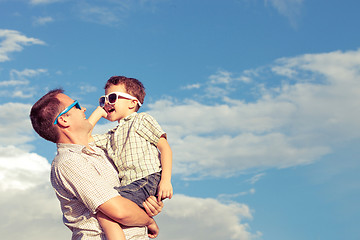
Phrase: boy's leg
(139, 190)
(112, 229)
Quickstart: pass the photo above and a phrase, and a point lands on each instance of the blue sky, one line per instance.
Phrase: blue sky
(260, 100)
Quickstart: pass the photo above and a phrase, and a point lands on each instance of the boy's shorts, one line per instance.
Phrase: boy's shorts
(139, 190)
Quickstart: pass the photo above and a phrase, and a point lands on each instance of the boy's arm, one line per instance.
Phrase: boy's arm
(165, 188)
(98, 113)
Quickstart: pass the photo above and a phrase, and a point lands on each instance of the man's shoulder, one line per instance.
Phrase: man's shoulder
(67, 154)
(62, 159)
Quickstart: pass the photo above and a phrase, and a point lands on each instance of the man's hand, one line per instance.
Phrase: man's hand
(153, 230)
(153, 206)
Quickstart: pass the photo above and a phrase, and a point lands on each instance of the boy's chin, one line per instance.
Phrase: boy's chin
(111, 119)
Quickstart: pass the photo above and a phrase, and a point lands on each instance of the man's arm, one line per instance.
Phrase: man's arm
(152, 206)
(165, 187)
(126, 212)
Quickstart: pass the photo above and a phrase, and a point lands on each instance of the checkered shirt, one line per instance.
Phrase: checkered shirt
(83, 180)
(132, 146)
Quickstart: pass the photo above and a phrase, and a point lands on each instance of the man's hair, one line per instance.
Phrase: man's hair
(132, 86)
(43, 114)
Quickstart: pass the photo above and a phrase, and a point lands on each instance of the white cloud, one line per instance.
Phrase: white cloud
(234, 195)
(15, 74)
(226, 77)
(37, 2)
(39, 21)
(14, 42)
(288, 8)
(18, 85)
(13, 83)
(220, 77)
(22, 94)
(256, 178)
(21, 170)
(192, 86)
(27, 201)
(187, 217)
(226, 156)
(297, 122)
(116, 11)
(222, 84)
(100, 14)
(15, 127)
(87, 88)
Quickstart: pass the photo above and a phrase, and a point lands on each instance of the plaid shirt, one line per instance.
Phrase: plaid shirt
(83, 180)
(132, 146)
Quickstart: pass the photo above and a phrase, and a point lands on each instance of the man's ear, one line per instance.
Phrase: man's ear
(62, 121)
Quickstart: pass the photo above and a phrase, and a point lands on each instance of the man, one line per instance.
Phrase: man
(84, 180)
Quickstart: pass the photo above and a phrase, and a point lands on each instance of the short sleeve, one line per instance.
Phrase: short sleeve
(101, 140)
(149, 129)
(84, 182)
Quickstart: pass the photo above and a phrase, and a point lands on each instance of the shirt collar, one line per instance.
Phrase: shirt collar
(78, 147)
(128, 118)
(70, 146)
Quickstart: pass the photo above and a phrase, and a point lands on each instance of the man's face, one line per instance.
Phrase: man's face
(75, 117)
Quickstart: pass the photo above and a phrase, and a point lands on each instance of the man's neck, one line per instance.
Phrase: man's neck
(71, 139)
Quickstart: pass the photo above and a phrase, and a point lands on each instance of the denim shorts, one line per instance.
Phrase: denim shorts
(139, 190)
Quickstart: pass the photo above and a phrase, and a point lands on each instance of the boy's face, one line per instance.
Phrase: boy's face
(122, 108)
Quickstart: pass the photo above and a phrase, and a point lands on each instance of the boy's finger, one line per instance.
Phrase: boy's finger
(159, 197)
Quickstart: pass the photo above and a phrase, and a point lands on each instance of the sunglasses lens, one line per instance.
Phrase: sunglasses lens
(102, 101)
(77, 105)
(112, 98)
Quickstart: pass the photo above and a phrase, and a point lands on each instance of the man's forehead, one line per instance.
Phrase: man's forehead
(63, 98)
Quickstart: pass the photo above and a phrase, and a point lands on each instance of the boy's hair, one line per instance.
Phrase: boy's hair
(43, 114)
(132, 86)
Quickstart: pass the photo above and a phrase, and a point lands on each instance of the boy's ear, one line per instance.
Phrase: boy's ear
(133, 104)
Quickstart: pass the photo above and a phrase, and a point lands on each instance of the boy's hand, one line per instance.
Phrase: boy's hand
(101, 111)
(165, 190)
(98, 113)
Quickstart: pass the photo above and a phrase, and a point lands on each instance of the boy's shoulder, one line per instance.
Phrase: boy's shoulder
(144, 118)
(144, 115)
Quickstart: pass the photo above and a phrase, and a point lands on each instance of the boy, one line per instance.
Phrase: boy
(133, 146)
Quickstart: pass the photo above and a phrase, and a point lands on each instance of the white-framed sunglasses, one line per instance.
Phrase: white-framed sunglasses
(113, 97)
